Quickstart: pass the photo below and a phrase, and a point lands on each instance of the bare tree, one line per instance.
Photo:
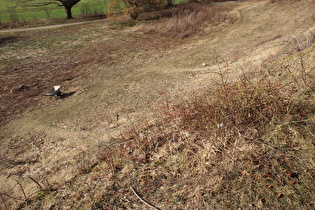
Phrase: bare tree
(169, 3)
(12, 11)
(67, 4)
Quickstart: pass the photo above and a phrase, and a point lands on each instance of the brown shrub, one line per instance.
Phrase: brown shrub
(243, 144)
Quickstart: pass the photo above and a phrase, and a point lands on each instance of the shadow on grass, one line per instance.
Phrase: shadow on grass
(8, 40)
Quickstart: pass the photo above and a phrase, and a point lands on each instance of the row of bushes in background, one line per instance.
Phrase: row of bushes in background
(11, 16)
(134, 7)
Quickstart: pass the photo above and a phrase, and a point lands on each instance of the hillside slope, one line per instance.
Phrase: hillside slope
(67, 144)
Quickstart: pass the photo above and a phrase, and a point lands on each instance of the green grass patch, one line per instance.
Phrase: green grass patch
(8, 13)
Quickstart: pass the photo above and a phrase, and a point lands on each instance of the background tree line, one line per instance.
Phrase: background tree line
(131, 7)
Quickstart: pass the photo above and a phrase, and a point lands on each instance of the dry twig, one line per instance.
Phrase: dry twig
(145, 202)
(3, 201)
(10, 196)
(21, 189)
(40, 187)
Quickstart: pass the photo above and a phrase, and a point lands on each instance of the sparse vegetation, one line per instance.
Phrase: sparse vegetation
(242, 144)
(188, 19)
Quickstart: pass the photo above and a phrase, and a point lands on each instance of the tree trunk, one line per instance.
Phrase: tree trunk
(68, 11)
(169, 3)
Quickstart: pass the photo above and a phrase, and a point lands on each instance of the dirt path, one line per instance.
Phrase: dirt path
(62, 139)
(46, 27)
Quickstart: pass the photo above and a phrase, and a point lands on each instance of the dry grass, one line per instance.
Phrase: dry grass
(244, 144)
(188, 19)
(33, 62)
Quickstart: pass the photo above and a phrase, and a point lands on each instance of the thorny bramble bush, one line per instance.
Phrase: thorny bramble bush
(242, 144)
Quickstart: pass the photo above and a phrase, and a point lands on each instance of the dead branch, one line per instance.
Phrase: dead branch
(21, 189)
(3, 201)
(10, 196)
(36, 182)
(145, 202)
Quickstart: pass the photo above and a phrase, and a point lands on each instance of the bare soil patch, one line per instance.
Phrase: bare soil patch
(35, 61)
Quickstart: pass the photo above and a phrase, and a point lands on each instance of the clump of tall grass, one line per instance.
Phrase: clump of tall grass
(188, 19)
(242, 144)
(91, 11)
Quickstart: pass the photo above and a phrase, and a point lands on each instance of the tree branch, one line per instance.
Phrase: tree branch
(26, 4)
(36, 182)
(21, 189)
(10, 196)
(146, 203)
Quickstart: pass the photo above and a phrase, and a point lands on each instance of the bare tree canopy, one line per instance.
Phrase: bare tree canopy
(67, 4)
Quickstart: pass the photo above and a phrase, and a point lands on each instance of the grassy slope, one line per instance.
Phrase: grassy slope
(261, 156)
(50, 11)
(20, 14)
